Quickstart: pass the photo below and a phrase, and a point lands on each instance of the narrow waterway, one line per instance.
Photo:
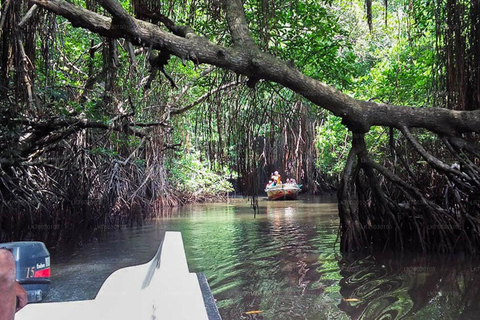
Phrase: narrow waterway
(281, 264)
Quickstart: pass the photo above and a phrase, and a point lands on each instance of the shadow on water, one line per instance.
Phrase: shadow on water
(282, 264)
(79, 272)
(389, 286)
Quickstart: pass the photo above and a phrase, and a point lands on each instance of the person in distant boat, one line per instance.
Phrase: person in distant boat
(13, 296)
(270, 183)
(276, 178)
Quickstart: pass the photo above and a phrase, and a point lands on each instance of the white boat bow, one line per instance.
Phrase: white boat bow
(160, 289)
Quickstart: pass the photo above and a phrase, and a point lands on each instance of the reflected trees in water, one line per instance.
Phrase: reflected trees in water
(428, 175)
(407, 286)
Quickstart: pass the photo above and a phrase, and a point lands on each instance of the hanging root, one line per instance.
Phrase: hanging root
(428, 201)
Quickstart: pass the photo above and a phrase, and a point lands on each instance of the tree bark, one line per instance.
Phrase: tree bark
(246, 59)
(378, 203)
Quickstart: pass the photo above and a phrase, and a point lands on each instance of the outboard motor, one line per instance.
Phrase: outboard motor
(32, 261)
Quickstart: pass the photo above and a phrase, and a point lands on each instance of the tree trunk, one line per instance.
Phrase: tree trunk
(381, 203)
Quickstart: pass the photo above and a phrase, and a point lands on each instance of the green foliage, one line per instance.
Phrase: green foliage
(328, 40)
(398, 57)
(377, 143)
(104, 152)
(404, 78)
(310, 35)
(394, 64)
(191, 176)
(332, 143)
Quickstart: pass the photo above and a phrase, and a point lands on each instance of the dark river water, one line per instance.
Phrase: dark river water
(281, 264)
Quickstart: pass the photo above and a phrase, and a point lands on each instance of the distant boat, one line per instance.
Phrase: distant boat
(286, 191)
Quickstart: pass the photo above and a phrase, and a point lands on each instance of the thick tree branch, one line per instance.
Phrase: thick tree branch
(39, 134)
(359, 116)
(59, 123)
(465, 144)
(3, 18)
(238, 24)
(31, 12)
(434, 162)
(121, 18)
(144, 13)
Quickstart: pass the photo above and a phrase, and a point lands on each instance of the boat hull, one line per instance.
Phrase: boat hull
(283, 192)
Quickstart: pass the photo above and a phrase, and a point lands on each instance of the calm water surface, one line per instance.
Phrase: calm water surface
(281, 264)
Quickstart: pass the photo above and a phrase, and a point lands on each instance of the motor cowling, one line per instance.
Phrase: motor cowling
(32, 261)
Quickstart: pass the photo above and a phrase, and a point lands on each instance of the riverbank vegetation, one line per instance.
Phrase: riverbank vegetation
(113, 111)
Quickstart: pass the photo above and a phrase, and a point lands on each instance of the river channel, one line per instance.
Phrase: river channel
(281, 264)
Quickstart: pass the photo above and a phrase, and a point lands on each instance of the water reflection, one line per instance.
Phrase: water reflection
(78, 273)
(282, 264)
(277, 265)
(410, 286)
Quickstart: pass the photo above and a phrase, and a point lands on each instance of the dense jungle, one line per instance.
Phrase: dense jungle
(112, 111)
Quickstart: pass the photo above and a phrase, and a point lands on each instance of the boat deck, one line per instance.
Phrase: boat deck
(286, 191)
(160, 289)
